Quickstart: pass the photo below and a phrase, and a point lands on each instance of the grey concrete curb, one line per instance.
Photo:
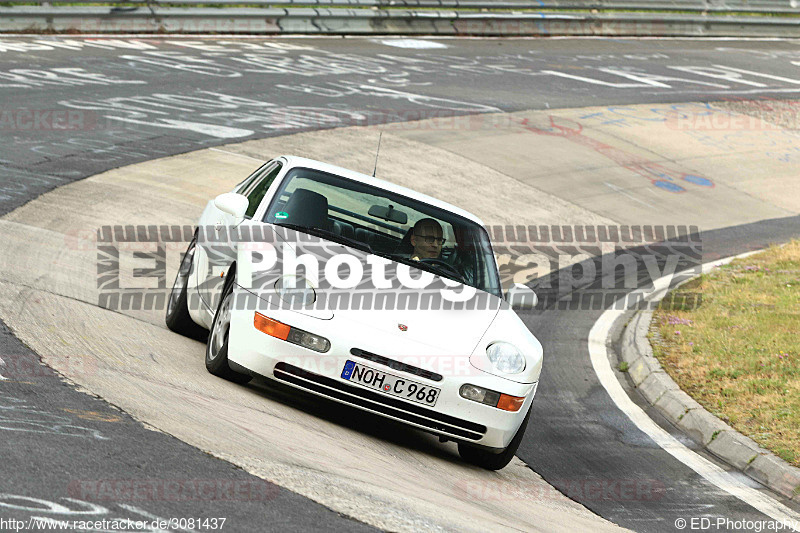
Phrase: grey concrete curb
(658, 388)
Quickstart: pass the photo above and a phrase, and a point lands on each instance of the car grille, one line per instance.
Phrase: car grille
(379, 403)
(396, 365)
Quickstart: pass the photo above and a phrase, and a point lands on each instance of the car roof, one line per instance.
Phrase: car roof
(294, 161)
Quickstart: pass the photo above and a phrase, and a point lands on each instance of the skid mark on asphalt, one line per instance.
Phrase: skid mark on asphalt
(17, 415)
(95, 416)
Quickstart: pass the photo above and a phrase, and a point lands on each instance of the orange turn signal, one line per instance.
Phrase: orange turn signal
(510, 403)
(271, 327)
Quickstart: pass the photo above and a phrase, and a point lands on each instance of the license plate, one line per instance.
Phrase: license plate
(390, 384)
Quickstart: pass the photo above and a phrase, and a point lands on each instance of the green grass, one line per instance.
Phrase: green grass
(738, 352)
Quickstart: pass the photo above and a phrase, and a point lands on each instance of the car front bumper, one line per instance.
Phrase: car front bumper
(452, 416)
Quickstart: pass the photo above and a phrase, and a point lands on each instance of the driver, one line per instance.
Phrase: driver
(426, 238)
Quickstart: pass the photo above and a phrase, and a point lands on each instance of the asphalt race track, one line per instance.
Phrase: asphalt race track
(521, 132)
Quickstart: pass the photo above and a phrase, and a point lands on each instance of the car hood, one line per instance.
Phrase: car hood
(409, 332)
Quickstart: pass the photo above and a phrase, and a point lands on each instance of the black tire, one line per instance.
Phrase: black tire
(217, 346)
(494, 461)
(177, 317)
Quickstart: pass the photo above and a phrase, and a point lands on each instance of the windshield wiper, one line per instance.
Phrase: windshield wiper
(329, 235)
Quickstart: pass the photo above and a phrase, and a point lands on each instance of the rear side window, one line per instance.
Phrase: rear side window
(258, 188)
(248, 181)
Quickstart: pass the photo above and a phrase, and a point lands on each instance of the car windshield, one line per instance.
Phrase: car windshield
(381, 222)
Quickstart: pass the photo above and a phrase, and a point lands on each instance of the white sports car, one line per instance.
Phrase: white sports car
(365, 293)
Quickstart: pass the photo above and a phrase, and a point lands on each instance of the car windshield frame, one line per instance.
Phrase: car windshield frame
(485, 276)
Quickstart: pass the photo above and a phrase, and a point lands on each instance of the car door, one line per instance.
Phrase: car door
(222, 252)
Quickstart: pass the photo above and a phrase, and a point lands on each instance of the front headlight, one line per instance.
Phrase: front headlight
(506, 358)
(295, 291)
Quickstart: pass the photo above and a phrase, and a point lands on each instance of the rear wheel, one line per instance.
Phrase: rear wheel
(494, 461)
(217, 346)
(178, 318)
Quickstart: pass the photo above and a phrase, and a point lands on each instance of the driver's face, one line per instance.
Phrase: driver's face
(427, 242)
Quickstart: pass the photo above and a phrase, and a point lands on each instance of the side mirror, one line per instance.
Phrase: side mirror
(234, 204)
(522, 297)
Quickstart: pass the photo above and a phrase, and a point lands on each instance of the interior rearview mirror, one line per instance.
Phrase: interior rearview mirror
(388, 213)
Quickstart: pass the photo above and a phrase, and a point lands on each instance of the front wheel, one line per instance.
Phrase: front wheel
(494, 461)
(217, 347)
(178, 318)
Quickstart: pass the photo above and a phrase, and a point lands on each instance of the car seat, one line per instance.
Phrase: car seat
(307, 208)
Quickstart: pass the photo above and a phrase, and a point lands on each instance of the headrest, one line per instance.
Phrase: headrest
(307, 208)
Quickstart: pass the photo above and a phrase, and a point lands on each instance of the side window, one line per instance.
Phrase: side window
(258, 189)
(248, 181)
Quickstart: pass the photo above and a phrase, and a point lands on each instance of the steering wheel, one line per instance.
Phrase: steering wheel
(447, 267)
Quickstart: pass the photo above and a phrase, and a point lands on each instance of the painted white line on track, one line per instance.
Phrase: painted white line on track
(761, 75)
(743, 91)
(2, 363)
(624, 193)
(416, 44)
(708, 470)
(238, 155)
(212, 130)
